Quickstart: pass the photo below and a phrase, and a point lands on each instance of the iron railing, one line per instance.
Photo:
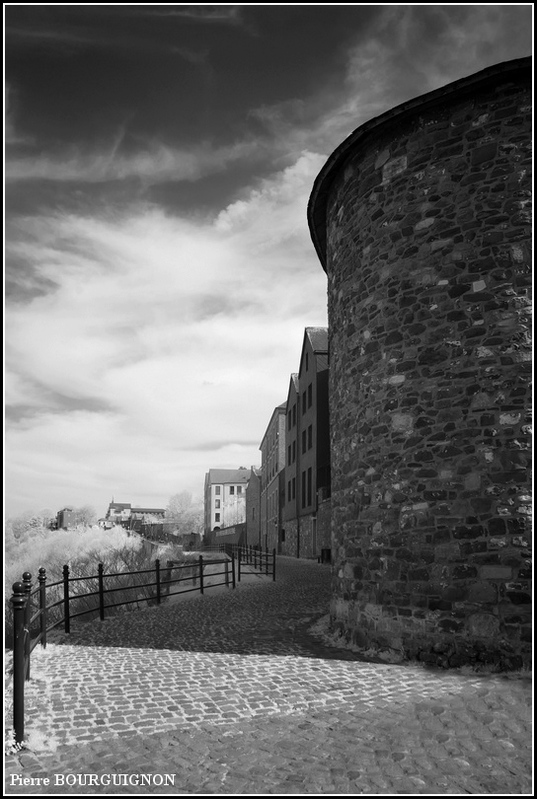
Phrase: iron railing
(24, 599)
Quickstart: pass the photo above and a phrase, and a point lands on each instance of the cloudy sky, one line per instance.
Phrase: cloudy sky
(159, 270)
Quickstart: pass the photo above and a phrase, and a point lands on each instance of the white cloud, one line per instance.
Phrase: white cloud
(187, 331)
(153, 162)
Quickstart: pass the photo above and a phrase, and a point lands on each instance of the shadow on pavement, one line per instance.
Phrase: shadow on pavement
(259, 617)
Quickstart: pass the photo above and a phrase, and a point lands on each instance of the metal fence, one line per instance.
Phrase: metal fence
(36, 611)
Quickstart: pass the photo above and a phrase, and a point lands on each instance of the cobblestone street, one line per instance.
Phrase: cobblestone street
(232, 694)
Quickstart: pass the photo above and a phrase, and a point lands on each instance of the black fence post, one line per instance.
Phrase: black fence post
(239, 565)
(27, 582)
(266, 561)
(43, 605)
(157, 574)
(100, 575)
(67, 621)
(233, 570)
(201, 574)
(18, 603)
(273, 564)
(226, 573)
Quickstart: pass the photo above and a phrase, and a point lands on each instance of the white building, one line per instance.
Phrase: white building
(225, 497)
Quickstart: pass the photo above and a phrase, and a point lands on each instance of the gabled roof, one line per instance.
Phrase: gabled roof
(119, 505)
(279, 410)
(318, 337)
(148, 510)
(228, 475)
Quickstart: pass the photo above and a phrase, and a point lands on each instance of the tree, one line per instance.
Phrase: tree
(234, 510)
(85, 515)
(185, 513)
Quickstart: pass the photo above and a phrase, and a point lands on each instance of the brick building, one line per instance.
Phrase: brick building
(253, 508)
(307, 450)
(272, 478)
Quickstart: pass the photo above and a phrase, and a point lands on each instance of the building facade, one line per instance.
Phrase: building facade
(421, 220)
(272, 463)
(307, 450)
(253, 508)
(225, 497)
(65, 519)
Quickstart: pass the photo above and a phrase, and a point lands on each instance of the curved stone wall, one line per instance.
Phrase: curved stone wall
(422, 221)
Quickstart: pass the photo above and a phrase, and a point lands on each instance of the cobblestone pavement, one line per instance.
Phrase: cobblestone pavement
(231, 694)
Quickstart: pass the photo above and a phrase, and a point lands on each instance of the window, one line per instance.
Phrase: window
(294, 487)
(294, 415)
(231, 489)
(289, 491)
(303, 441)
(304, 402)
(289, 455)
(289, 420)
(282, 535)
(217, 517)
(217, 503)
(217, 489)
(309, 486)
(310, 437)
(239, 489)
(303, 493)
(310, 395)
(294, 451)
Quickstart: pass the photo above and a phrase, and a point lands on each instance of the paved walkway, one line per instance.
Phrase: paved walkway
(231, 694)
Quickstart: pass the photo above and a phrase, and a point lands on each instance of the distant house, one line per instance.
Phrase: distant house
(124, 514)
(143, 513)
(65, 519)
(117, 513)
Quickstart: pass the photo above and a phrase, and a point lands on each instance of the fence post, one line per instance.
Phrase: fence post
(100, 576)
(157, 573)
(233, 569)
(226, 572)
(27, 581)
(239, 565)
(43, 605)
(67, 621)
(273, 564)
(266, 562)
(201, 574)
(18, 603)
(169, 574)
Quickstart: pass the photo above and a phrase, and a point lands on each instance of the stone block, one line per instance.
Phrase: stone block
(495, 572)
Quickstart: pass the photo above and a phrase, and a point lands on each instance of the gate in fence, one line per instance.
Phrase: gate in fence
(51, 614)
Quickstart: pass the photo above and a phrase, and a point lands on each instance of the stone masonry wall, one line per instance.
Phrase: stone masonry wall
(306, 548)
(324, 525)
(428, 260)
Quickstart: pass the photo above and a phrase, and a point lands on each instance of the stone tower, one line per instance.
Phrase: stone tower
(421, 219)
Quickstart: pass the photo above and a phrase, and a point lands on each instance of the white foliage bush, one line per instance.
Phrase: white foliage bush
(81, 548)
